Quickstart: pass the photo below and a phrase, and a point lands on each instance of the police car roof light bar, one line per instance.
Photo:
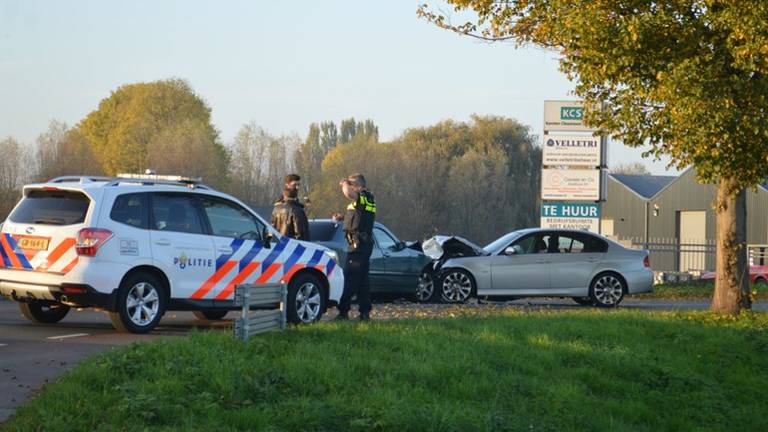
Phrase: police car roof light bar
(150, 179)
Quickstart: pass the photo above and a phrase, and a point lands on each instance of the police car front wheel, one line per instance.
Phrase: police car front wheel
(42, 312)
(140, 304)
(306, 300)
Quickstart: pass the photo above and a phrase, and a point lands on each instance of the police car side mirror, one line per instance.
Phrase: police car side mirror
(267, 236)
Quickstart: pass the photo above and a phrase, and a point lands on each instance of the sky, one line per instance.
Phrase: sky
(280, 64)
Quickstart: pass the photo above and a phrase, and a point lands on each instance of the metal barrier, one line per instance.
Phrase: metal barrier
(672, 255)
(758, 254)
(260, 296)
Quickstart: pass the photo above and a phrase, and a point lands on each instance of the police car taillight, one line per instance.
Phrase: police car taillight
(89, 240)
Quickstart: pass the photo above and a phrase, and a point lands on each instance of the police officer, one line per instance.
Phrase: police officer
(288, 215)
(358, 230)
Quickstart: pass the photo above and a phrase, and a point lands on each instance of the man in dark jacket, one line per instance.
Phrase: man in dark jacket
(288, 216)
(358, 230)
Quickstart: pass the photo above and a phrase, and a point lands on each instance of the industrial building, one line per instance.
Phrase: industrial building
(673, 217)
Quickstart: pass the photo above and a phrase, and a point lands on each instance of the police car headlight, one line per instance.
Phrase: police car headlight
(334, 256)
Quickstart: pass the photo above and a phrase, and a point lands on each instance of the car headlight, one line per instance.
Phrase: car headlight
(334, 256)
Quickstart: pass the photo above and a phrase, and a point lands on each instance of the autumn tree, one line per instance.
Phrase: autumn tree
(128, 126)
(63, 151)
(689, 78)
(477, 179)
(14, 172)
(259, 163)
(350, 128)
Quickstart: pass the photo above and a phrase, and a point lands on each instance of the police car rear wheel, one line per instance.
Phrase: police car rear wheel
(140, 304)
(210, 314)
(43, 313)
(306, 300)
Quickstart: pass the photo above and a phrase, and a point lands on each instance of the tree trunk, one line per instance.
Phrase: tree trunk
(732, 281)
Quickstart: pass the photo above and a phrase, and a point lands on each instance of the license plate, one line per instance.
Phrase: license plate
(33, 243)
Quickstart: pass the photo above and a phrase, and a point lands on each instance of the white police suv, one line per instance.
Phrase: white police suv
(139, 245)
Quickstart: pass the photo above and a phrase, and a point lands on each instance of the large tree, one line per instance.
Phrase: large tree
(147, 125)
(687, 77)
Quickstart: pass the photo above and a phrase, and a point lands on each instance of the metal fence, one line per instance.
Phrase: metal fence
(674, 255)
(689, 256)
(758, 254)
(254, 300)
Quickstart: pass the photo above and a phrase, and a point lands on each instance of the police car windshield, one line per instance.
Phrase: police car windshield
(497, 245)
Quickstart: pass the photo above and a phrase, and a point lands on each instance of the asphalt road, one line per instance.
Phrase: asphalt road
(32, 355)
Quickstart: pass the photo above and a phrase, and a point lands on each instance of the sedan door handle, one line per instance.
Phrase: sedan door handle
(593, 260)
(163, 242)
(541, 261)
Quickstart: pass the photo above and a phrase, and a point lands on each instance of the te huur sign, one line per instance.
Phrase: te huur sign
(564, 215)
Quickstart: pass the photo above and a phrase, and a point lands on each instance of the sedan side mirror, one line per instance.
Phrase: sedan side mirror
(510, 250)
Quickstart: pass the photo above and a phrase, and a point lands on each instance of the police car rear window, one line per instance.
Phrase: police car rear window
(322, 231)
(51, 207)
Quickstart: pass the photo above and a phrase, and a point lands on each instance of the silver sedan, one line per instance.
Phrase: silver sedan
(587, 267)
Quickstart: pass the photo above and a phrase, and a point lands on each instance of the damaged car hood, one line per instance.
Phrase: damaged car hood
(444, 247)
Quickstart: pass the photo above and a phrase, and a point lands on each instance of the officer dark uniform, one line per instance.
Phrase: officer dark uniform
(358, 229)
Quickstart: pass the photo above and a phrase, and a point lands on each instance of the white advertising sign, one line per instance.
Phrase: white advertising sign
(570, 184)
(571, 150)
(564, 116)
(561, 215)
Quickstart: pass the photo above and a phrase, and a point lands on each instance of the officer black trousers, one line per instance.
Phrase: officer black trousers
(356, 283)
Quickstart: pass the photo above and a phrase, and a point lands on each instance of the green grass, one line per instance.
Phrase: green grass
(693, 291)
(584, 370)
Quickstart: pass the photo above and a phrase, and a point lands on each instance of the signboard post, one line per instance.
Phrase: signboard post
(572, 168)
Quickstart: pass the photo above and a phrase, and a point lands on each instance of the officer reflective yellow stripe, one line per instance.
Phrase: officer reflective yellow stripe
(363, 201)
(369, 206)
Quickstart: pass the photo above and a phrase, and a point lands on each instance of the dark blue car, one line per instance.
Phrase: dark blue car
(396, 267)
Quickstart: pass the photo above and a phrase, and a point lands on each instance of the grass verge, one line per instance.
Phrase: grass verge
(583, 370)
(694, 291)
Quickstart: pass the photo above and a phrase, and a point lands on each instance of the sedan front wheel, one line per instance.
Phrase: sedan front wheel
(456, 286)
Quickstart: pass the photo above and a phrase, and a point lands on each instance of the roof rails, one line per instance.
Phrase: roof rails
(79, 179)
(150, 178)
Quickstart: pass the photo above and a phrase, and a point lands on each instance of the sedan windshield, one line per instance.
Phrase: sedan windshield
(497, 245)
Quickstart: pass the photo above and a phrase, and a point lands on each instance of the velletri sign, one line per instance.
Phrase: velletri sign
(571, 150)
(564, 116)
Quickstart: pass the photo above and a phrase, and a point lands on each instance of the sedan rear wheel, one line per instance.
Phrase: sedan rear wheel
(607, 290)
(456, 286)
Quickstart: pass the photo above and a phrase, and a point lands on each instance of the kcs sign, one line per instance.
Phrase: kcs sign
(571, 113)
